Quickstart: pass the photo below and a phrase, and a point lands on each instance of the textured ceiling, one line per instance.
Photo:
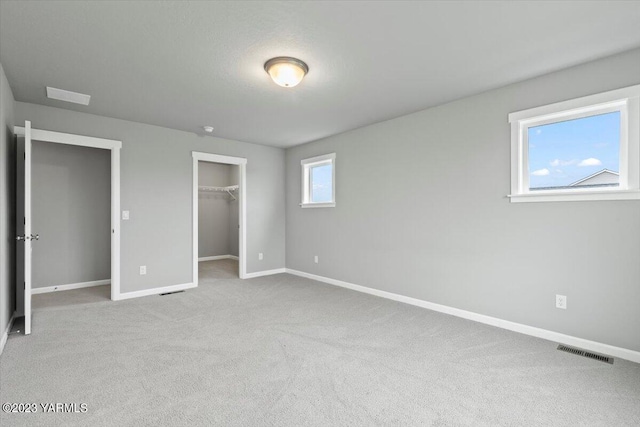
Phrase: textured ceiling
(183, 65)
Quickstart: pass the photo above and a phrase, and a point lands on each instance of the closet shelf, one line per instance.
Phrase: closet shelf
(228, 189)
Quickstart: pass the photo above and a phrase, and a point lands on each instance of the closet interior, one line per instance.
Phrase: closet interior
(71, 213)
(218, 220)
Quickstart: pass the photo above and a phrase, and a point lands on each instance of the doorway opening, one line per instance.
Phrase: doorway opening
(55, 168)
(218, 220)
(219, 217)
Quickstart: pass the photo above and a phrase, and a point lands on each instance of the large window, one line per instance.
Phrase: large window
(583, 149)
(318, 181)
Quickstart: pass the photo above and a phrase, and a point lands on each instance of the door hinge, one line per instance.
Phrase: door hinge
(24, 220)
(24, 285)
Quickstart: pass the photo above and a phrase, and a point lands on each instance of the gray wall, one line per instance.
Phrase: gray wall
(71, 205)
(421, 211)
(214, 232)
(156, 175)
(7, 203)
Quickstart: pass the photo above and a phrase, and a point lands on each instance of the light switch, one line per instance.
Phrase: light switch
(125, 215)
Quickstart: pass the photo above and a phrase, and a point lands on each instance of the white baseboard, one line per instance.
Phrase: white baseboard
(156, 291)
(264, 273)
(595, 346)
(69, 286)
(217, 257)
(5, 334)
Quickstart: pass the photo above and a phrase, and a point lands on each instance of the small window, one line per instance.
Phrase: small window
(318, 181)
(583, 149)
(575, 153)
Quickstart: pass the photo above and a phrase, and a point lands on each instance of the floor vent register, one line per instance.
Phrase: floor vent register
(586, 353)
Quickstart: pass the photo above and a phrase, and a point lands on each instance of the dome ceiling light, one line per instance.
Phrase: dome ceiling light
(286, 71)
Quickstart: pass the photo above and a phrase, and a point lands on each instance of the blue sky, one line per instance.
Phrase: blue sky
(321, 182)
(564, 152)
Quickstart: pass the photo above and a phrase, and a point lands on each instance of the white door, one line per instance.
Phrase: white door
(23, 224)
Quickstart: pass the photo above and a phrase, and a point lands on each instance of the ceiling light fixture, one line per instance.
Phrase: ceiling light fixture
(208, 129)
(286, 71)
(68, 96)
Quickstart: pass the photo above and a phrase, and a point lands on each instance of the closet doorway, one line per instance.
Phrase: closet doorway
(219, 217)
(27, 236)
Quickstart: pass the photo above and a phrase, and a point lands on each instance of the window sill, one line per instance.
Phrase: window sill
(575, 197)
(318, 205)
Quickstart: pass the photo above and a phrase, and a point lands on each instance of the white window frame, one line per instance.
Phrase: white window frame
(306, 166)
(625, 100)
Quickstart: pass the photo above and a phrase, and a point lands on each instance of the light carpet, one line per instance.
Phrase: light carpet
(284, 350)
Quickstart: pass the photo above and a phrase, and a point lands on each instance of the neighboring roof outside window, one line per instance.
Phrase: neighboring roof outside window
(603, 178)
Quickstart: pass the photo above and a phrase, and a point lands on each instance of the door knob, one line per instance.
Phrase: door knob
(35, 237)
(18, 238)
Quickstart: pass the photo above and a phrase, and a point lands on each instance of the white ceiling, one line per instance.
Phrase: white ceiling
(183, 65)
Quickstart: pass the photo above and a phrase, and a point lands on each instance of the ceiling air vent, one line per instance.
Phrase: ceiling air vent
(585, 353)
(68, 96)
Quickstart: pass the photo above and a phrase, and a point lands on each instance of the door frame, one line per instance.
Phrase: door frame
(241, 162)
(106, 144)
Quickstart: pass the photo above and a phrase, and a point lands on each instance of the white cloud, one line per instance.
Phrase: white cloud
(538, 131)
(558, 162)
(591, 161)
(540, 172)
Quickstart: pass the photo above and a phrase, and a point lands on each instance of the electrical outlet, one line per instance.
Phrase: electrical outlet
(260, 256)
(143, 270)
(315, 259)
(125, 215)
(561, 301)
